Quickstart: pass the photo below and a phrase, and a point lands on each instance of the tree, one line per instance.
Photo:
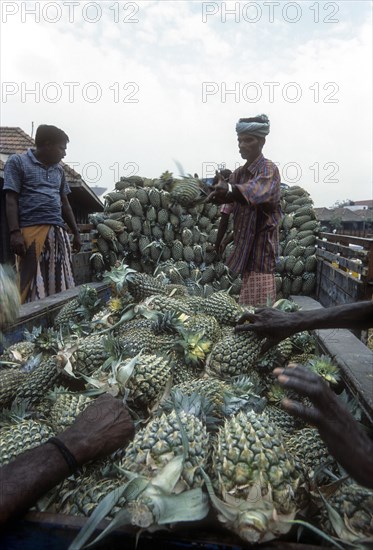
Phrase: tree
(342, 203)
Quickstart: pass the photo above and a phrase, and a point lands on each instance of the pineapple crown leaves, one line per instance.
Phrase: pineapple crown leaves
(286, 305)
(233, 404)
(119, 276)
(168, 321)
(19, 410)
(195, 404)
(194, 346)
(324, 367)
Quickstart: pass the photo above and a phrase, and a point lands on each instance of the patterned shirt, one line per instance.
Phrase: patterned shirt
(39, 188)
(255, 224)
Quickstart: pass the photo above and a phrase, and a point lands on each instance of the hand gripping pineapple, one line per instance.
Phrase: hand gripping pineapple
(100, 429)
(10, 299)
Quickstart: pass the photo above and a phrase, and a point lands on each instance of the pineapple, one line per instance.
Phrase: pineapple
(140, 285)
(145, 377)
(233, 355)
(348, 514)
(41, 379)
(89, 355)
(168, 436)
(21, 436)
(223, 307)
(186, 191)
(18, 353)
(205, 324)
(309, 450)
(255, 477)
(10, 379)
(80, 308)
(65, 408)
(324, 367)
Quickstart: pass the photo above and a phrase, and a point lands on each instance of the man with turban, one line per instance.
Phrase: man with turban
(252, 196)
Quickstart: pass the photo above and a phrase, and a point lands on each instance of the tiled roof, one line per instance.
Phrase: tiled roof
(15, 140)
(368, 203)
(345, 215)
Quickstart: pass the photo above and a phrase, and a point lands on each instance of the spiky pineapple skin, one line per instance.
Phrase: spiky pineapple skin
(249, 450)
(149, 378)
(309, 450)
(40, 380)
(354, 504)
(223, 307)
(22, 436)
(89, 355)
(233, 355)
(161, 440)
(10, 380)
(18, 353)
(66, 408)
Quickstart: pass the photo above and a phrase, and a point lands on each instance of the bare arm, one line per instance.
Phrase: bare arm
(223, 226)
(69, 218)
(102, 428)
(17, 243)
(346, 441)
(277, 325)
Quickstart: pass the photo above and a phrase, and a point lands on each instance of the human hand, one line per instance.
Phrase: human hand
(77, 243)
(308, 384)
(269, 323)
(17, 243)
(219, 190)
(99, 430)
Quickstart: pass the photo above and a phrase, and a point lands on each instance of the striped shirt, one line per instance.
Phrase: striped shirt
(255, 224)
(39, 188)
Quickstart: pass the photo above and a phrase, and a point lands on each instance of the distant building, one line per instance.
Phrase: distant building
(346, 221)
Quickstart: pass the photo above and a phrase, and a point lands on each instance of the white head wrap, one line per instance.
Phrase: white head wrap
(260, 129)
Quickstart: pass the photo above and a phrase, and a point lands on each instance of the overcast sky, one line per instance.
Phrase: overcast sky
(137, 85)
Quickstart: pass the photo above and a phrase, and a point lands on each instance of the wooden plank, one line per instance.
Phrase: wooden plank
(42, 312)
(337, 276)
(342, 250)
(346, 239)
(350, 265)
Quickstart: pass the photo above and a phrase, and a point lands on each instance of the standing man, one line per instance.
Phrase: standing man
(253, 197)
(37, 207)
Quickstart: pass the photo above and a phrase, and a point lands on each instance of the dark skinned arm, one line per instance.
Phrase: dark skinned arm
(98, 431)
(346, 441)
(220, 194)
(276, 325)
(17, 243)
(69, 218)
(223, 226)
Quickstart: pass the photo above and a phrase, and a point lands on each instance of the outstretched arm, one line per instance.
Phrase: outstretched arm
(98, 431)
(346, 441)
(277, 325)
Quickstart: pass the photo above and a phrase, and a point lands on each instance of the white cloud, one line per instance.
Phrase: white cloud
(169, 54)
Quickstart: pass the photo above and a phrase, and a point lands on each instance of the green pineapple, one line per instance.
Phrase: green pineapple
(347, 514)
(205, 324)
(168, 436)
(65, 408)
(223, 307)
(20, 436)
(309, 450)
(255, 478)
(10, 380)
(18, 353)
(145, 377)
(140, 285)
(324, 367)
(233, 355)
(41, 379)
(80, 308)
(89, 355)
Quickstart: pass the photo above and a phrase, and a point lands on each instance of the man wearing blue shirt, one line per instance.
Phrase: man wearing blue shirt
(37, 208)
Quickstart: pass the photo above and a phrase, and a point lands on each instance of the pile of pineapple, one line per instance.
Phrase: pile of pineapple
(210, 431)
(296, 264)
(162, 227)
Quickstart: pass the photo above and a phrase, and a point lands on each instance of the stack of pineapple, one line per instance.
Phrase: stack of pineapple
(163, 228)
(210, 430)
(296, 265)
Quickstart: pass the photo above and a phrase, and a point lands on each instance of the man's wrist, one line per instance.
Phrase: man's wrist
(17, 230)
